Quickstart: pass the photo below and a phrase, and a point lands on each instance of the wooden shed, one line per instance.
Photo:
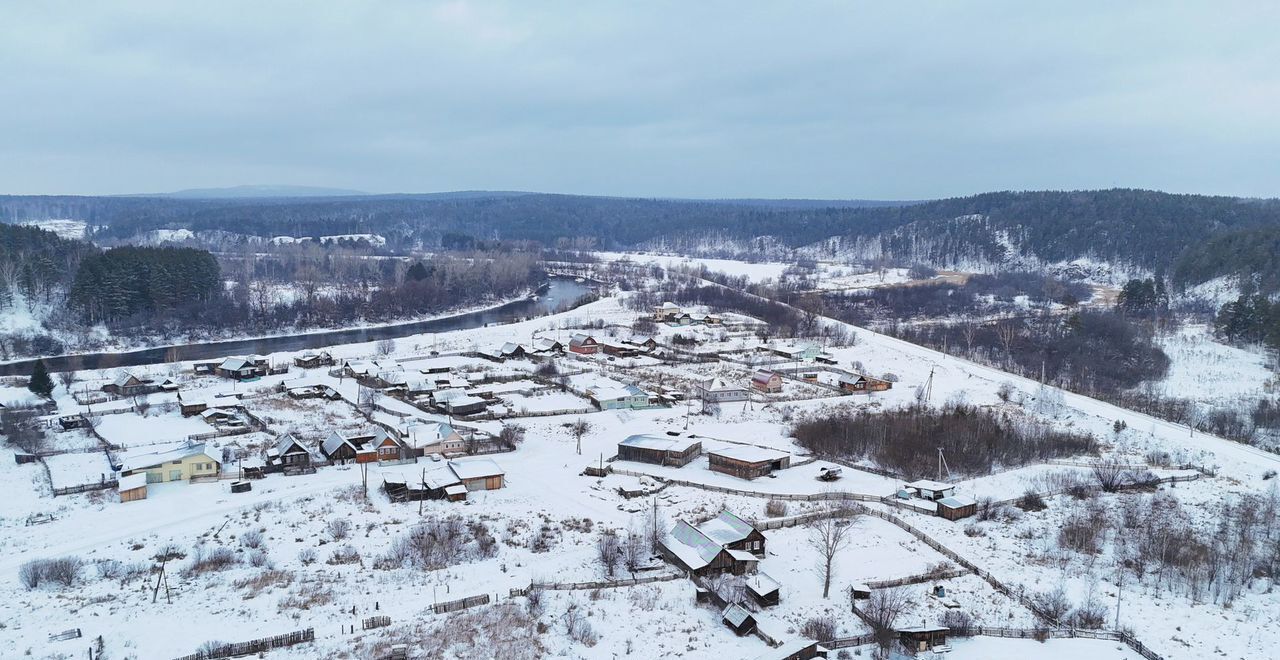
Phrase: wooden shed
(479, 474)
(674, 450)
(738, 619)
(923, 638)
(133, 487)
(956, 507)
(765, 590)
(747, 461)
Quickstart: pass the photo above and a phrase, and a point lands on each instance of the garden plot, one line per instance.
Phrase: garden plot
(69, 470)
(995, 648)
(132, 430)
(308, 419)
(540, 402)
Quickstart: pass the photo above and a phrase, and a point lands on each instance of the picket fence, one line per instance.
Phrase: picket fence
(460, 604)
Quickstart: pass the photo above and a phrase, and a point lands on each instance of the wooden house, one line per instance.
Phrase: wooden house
(956, 507)
(133, 487)
(583, 344)
(693, 551)
(859, 384)
(676, 450)
(388, 447)
(797, 352)
(646, 343)
(918, 639)
(127, 384)
(479, 473)
(243, 368)
(739, 619)
(418, 439)
(766, 381)
(734, 533)
(205, 368)
(458, 402)
(747, 461)
(547, 346)
(313, 360)
(617, 398)
(76, 421)
(716, 390)
(174, 465)
(342, 448)
(619, 348)
(290, 456)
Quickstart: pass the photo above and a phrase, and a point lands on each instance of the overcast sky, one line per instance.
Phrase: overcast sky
(891, 100)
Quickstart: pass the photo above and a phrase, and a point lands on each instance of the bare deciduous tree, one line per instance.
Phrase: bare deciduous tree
(829, 535)
(579, 429)
(882, 611)
(608, 550)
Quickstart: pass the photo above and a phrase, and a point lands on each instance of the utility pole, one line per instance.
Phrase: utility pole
(423, 492)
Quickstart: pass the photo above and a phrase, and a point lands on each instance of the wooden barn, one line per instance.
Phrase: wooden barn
(738, 619)
(747, 461)
(766, 381)
(584, 344)
(133, 487)
(918, 639)
(765, 590)
(659, 449)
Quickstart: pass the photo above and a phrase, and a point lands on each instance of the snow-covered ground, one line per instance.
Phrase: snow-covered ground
(546, 524)
(74, 229)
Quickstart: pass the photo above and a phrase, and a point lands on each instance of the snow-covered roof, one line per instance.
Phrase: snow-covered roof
(580, 338)
(762, 376)
(476, 468)
(924, 628)
(143, 461)
(691, 546)
(287, 440)
(749, 453)
(456, 489)
(660, 442)
(789, 649)
(210, 413)
(670, 306)
(762, 585)
(726, 528)
(719, 385)
(334, 441)
(424, 434)
(957, 501)
(510, 347)
(743, 555)
(236, 363)
(132, 481)
(736, 614)
(464, 401)
(123, 379)
(930, 485)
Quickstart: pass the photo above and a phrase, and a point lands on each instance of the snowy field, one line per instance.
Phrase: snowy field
(545, 524)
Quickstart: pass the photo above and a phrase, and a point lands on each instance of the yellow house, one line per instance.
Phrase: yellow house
(174, 465)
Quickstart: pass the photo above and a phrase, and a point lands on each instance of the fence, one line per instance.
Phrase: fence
(919, 578)
(254, 646)
(376, 622)
(460, 604)
(601, 584)
(105, 484)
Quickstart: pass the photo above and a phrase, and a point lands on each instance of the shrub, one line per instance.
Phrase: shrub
(344, 555)
(821, 628)
(215, 560)
(959, 622)
(61, 571)
(307, 556)
(251, 539)
(338, 528)
(259, 558)
(1091, 615)
(775, 508)
(1031, 501)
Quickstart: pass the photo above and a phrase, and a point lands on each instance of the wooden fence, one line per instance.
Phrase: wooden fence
(919, 578)
(601, 584)
(254, 646)
(375, 622)
(460, 604)
(105, 484)
(1018, 633)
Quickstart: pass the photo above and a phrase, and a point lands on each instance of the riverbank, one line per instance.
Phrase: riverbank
(547, 299)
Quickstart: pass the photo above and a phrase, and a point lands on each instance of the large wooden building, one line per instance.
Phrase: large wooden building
(769, 382)
(675, 450)
(747, 461)
(584, 344)
(719, 545)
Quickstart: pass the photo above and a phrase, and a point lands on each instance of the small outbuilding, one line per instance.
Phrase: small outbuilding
(930, 490)
(675, 450)
(765, 590)
(738, 619)
(133, 487)
(956, 507)
(918, 639)
(479, 473)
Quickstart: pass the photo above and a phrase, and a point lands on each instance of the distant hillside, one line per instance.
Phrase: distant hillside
(1132, 229)
(251, 192)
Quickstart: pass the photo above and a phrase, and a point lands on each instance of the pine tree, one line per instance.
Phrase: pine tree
(40, 382)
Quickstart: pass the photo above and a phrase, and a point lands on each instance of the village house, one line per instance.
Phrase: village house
(716, 390)
(433, 482)
(127, 384)
(666, 312)
(418, 439)
(310, 388)
(645, 343)
(797, 352)
(618, 348)
(313, 360)
(174, 465)
(859, 384)
(508, 351)
(617, 398)
(343, 448)
(734, 533)
(458, 402)
(289, 456)
(248, 367)
(769, 382)
(583, 344)
(698, 551)
(388, 447)
(547, 346)
(190, 403)
(675, 451)
(746, 461)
